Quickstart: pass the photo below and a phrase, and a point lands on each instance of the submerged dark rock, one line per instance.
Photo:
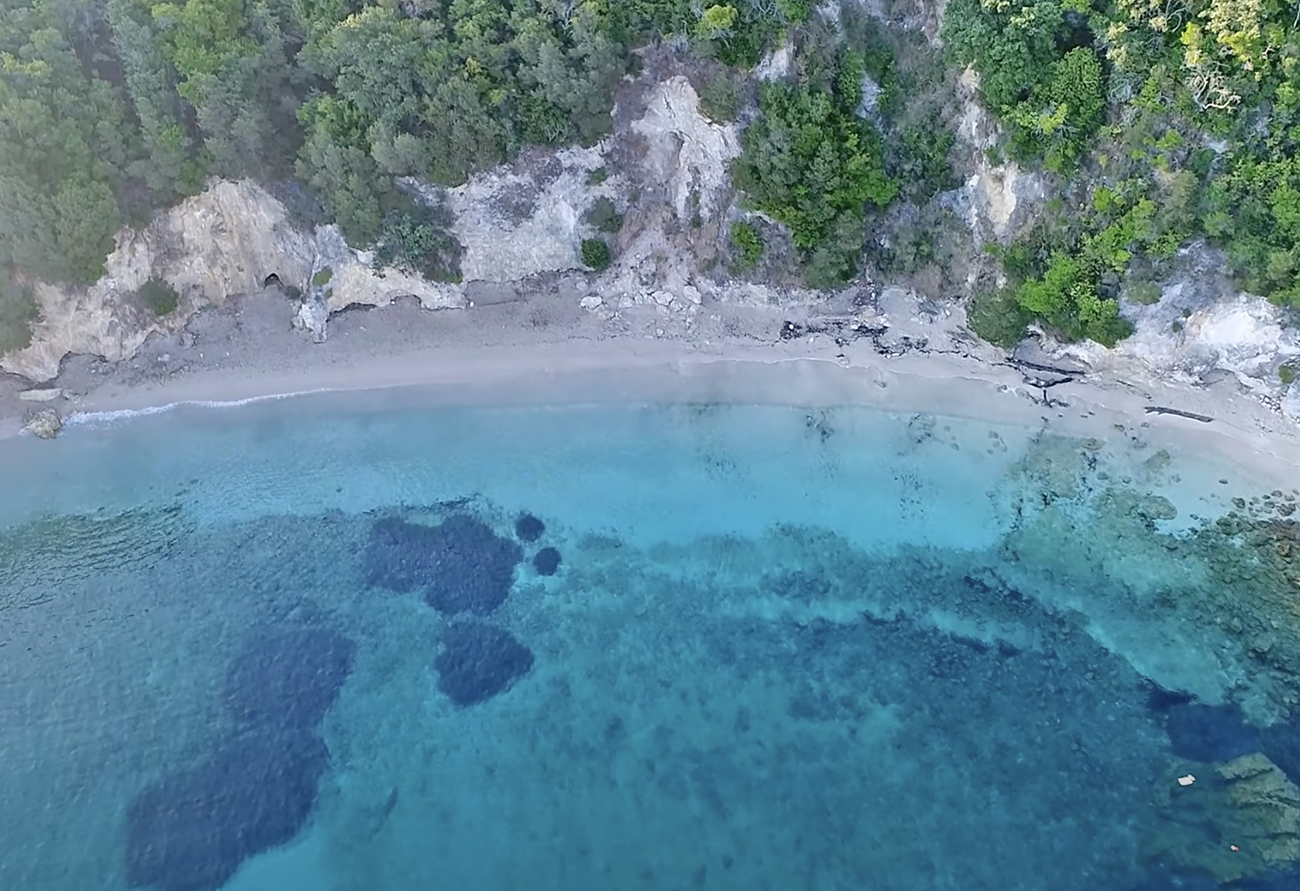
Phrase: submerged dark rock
(473, 568)
(462, 564)
(1281, 743)
(287, 679)
(546, 561)
(191, 831)
(400, 555)
(529, 528)
(1210, 732)
(479, 661)
(1161, 700)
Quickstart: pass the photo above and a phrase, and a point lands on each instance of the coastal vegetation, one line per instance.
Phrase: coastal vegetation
(595, 253)
(1157, 124)
(1162, 122)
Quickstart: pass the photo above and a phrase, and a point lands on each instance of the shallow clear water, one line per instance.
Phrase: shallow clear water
(786, 649)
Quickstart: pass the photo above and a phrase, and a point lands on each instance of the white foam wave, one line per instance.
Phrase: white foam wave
(108, 418)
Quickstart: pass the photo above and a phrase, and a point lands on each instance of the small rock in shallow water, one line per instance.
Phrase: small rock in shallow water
(529, 528)
(479, 661)
(45, 423)
(546, 561)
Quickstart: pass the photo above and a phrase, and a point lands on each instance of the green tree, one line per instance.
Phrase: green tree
(810, 163)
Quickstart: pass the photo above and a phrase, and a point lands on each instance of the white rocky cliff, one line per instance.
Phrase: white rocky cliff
(223, 242)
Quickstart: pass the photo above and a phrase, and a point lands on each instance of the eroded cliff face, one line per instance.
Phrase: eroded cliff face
(223, 242)
(665, 170)
(1201, 331)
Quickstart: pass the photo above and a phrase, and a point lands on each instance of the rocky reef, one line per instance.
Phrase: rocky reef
(191, 831)
(479, 661)
(461, 564)
(1233, 822)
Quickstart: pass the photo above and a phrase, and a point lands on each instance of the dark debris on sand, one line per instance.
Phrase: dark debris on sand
(479, 661)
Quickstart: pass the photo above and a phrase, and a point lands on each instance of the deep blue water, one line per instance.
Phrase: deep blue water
(363, 643)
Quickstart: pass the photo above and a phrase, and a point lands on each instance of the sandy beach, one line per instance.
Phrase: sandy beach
(549, 351)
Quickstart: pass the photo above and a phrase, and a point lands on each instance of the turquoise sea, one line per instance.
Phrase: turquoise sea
(370, 642)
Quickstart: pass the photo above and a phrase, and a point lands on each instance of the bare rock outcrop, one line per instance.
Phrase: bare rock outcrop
(223, 242)
(996, 199)
(686, 150)
(1203, 329)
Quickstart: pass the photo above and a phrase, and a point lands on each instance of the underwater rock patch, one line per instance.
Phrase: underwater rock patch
(529, 528)
(288, 679)
(1201, 732)
(546, 561)
(1281, 743)
(479, 661)
(462, 564)
(473, 567)
(1248, 803)
(399, 555)
(192, 830)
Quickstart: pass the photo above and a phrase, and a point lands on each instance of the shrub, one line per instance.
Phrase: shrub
(997, 317)
(17, 312)
(158, 297)
(746, 246)
(322, 278)
(812, 164)
(595, 254)
(604, 216)
(417, 237)
(720, 100)
(1287, 374)
(597, 176)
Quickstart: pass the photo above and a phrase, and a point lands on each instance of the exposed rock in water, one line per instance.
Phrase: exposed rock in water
(45, 423)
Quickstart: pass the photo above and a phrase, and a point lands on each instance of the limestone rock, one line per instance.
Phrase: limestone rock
(686, 150)
(312, 316)
(526, 218)
(224, 242)
(996, 199)
(45, 394)
(45, 423)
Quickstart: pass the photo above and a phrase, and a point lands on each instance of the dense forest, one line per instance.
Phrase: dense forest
(1158, 121)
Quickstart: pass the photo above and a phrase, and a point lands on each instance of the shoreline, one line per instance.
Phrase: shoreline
(456, 360)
